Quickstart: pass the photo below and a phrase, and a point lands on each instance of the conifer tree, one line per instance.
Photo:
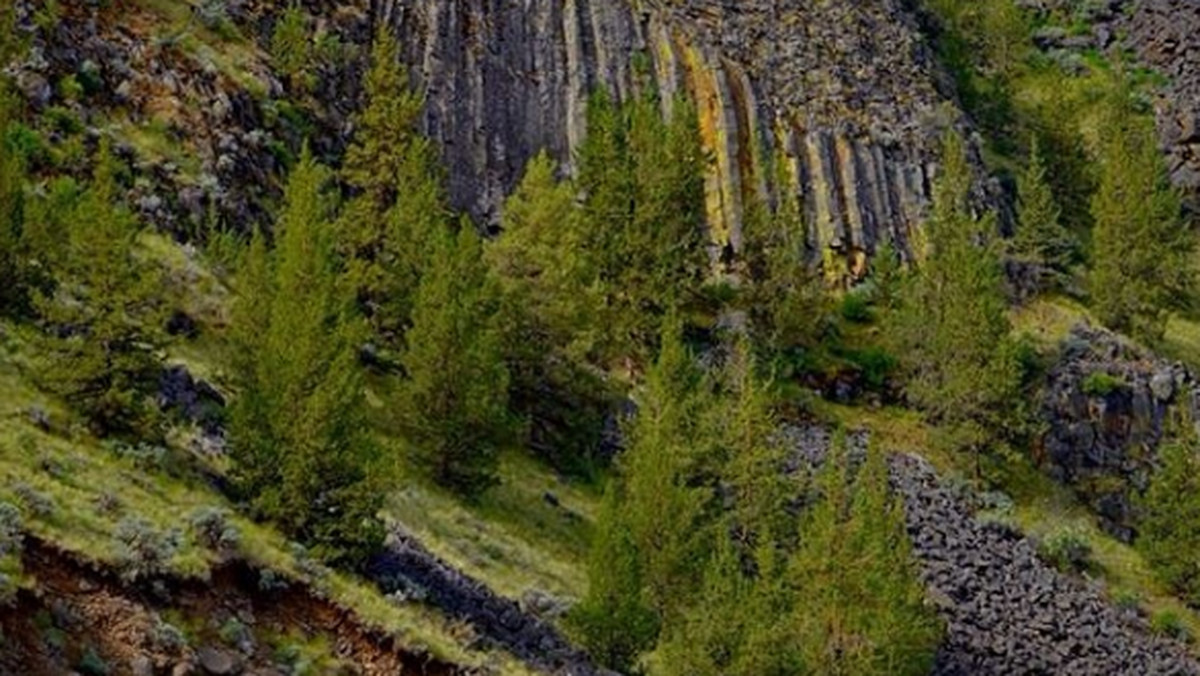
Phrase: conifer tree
(291, 45)
(398, 201)
(860, 607)
(669, 445)
(953, 324)
(787, 301)
(550, 308)
(104, 320)
(614, 618)
(642, 181)
(1169, 530)
(11, 180)
(299, 440)
(1041, 238)
(1141, 250)
(455, 402)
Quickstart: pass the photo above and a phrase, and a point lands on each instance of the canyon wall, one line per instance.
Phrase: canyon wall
(835, 102)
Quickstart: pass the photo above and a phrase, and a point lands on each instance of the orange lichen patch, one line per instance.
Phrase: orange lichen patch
(708, 108)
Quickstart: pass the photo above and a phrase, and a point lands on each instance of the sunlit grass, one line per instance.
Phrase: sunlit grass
(512, 538)
(77, 475)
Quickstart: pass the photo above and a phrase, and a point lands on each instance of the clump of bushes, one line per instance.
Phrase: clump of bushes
(1101, 384)
(144, 550)
(1169, 623)
(1068, 550)
(213, 530)
(40, 505)
(11, 529)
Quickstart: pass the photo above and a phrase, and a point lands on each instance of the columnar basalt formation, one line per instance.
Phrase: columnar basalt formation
(835, 103)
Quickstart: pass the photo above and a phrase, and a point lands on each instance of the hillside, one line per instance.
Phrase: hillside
(599, 336)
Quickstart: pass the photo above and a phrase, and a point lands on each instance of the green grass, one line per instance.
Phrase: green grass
(1048, 320)
(74, 471)
(512, 538)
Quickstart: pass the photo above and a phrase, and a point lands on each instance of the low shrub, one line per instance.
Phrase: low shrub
(1169, 623)
(1067, 550)
(1100, 384)
(213, 530)
(144, 550)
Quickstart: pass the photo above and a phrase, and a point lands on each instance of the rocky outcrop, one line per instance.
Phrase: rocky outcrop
(833, 102)
(1007, 612)
(1107, 404)
(836, 104)
(1165, 35)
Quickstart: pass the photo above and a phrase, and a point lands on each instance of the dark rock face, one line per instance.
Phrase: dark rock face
(1165, 34)
(839, 104)
(1107, 404)
(834, 102)
(1008, 613)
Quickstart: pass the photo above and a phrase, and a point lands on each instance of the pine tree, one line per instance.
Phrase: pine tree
(455, 402)
(1141, 250)
(12, 292)
(104, 320)
(1041, 238)
(398, 199)
(642, 181)
(787, 302)
(550, 308)
(952, 327)
(291, 45)
(669, 446)
(614, 618)
(1169, 530)
(300, 444)
(860, 608)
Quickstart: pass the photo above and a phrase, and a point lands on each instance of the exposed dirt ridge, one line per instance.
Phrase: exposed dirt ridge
(90, 606)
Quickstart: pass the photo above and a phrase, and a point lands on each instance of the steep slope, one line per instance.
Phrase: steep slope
(836, 104)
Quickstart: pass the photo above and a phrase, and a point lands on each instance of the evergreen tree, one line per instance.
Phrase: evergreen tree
(550, 310)
(398, 202)
(104, 320)
(455, 403)
(888, 277)
(1041, 238)
(787, 302)
(12, 296)
(861, 607)
(1169, 531)
(300, 444)
(670, 446)
(291, 45)
(1141, 250)
(952, 327)
(642, 181)
(614, 619)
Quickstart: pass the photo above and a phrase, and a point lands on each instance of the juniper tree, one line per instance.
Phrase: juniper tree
(455, 401)
(11, 179)
(860, 607)
(300, 443)
(398, 202)
(291, 45)
(1141, 261)
(104, 320)
(952, 328)
(550, 307)
(1169, 529)
(1041, 238)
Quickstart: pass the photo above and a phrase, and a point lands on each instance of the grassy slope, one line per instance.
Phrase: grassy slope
(1043, 507)
(75, 473)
